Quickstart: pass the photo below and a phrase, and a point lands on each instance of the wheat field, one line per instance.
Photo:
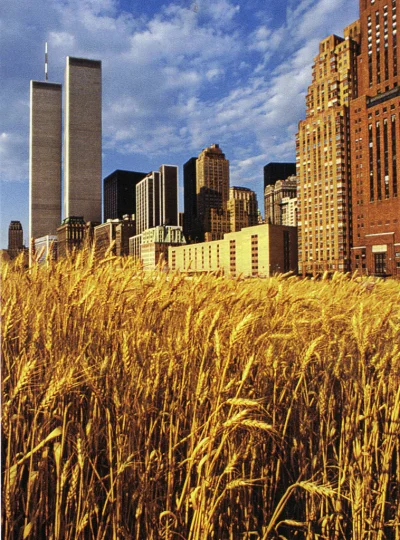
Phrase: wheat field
(152, 406)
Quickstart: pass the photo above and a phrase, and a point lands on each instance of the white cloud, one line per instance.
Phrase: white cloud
(243, 171)
(320, 18)
(267, 41)
(221, 12)
(298, 10)
(214, 74)
(63, 40)
(179, 39)
(175, 81)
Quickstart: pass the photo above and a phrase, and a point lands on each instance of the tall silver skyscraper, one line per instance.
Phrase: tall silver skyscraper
(82, 148)
(45, 158)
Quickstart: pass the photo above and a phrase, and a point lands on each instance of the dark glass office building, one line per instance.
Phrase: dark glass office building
(169, 195)
(189, 196)
(120, 193)
(278, 171)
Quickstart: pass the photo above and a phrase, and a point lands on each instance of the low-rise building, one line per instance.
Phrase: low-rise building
(70, 235)
(45, 247)
(151, 246)
(114, 235)
(89, 232)
(124, 230)
(261, 250)
(104, 235)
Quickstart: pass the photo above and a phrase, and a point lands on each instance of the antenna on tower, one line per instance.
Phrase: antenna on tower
(46, 62)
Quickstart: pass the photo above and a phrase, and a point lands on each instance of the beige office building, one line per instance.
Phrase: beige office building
(44, 159)
(212, 192)
(82, 150)
(242, 207)
(218, 223)
(258, 251)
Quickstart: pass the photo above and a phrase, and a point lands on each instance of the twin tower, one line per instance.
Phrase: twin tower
(81, 192)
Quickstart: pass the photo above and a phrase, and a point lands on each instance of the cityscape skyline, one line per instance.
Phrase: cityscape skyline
(206, 95)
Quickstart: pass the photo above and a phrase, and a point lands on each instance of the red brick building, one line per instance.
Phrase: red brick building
(375, 147)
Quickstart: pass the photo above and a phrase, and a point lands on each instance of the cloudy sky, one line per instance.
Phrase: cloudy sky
(178, 75)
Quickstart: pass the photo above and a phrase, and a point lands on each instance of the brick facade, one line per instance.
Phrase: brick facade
(375, 147)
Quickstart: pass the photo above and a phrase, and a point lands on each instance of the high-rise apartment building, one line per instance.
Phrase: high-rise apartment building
(120, 193)
(15, 239)
(274, 194)
(375, 143)
(44, 158)
(212, 192)
(157, 199)
(242, 208)
(278, 171)
(82, 145)
(323, 157)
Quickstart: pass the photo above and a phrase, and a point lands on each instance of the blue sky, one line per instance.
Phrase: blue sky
(177, 76)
